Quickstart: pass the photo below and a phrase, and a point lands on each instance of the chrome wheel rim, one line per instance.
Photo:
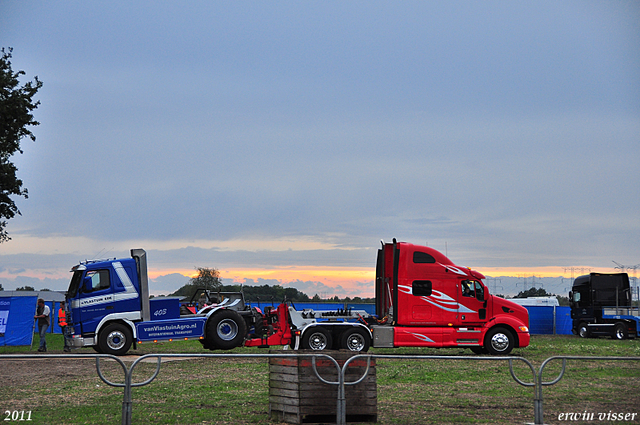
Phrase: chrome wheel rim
(500, 342)
(116, 340)
(355, 342)
(318, 341)
(227, 329)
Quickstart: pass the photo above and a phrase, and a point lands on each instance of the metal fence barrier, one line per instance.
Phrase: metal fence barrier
(536, 382)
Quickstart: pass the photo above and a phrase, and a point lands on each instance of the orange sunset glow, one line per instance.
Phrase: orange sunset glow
(356, 281)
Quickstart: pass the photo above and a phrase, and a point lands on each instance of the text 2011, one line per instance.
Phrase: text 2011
(17, 415)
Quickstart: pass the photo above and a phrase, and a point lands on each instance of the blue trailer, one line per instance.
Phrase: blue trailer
(625, 321)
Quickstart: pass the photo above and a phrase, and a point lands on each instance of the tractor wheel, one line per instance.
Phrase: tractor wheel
(317, 339)
(356, 339)
(115, 339)
(226, 329)
(499, 341)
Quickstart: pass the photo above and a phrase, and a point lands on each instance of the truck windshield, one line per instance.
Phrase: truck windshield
(75, 284)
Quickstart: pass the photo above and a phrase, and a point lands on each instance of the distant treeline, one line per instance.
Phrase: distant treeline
(267, 293)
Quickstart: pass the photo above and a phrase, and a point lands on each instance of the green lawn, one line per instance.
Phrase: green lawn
(231, 391)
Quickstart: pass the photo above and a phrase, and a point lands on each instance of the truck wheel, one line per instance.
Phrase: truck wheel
(583, 330)
(499, 341)
(620, 331)
(356, 339)
(317, 339)
(226, 329)
(115, 339)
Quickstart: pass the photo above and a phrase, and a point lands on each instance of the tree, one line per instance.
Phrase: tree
(26, 288)
(206, 279)
(16, 105)
(532, 292)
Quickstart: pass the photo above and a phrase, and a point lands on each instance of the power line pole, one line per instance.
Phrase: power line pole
(495, 286)
(577, 269)
(633, 280)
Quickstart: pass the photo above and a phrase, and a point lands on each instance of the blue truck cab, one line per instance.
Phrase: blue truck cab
(109, 309)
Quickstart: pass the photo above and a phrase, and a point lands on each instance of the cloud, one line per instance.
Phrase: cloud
(507, 136)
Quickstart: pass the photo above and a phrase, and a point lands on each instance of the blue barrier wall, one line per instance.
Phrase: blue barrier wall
(541, 320)
(369, 308)
(563, 321)
(16, 320)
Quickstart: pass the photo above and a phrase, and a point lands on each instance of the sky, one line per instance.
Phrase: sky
(279, 142)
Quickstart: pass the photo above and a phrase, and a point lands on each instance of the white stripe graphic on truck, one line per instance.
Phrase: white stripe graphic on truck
(129, 291)
(440, 300)
(421, 337)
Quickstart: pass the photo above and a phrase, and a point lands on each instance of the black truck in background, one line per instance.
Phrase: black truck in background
(601, 305)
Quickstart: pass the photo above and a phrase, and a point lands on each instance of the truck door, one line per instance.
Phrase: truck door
(471, 303)
(95, 298)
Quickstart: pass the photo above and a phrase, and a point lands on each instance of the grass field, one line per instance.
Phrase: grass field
(231, 391)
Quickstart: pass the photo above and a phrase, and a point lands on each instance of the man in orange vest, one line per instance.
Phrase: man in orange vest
(62, 321)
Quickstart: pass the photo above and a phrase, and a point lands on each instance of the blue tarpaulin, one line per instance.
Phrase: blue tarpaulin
(16, 320)
(543, 318)
(369, 308)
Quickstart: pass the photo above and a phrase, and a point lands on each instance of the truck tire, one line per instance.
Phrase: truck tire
(620, 331)
(317, 339)
(355, 339)
(583, 330)
(115, 339)
(499, 341)
(226, 329)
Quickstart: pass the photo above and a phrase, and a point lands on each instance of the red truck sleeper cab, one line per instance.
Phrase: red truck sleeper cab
(439, 304)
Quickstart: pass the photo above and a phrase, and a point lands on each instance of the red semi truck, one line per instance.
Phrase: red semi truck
(422, 300)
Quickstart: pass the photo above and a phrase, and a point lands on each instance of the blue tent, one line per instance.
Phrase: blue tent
(16, 320)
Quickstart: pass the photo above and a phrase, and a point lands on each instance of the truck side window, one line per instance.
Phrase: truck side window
(479, 291)
(96, 280)
(467, 288)
(421, 288)
(423, 258)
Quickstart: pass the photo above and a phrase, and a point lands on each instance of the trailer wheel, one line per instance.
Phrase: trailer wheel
(620, 331)
(226, 329)
(583, 330)
(317, 339)
(356, 339)
(115, 339)
(499, 341)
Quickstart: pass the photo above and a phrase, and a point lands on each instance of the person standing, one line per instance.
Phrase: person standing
(62, 322)
(43, 314)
